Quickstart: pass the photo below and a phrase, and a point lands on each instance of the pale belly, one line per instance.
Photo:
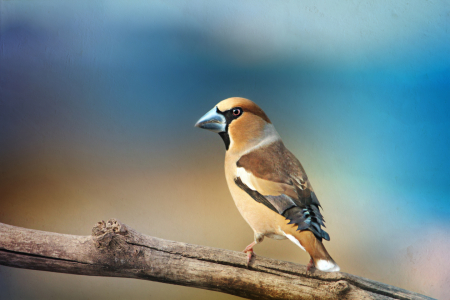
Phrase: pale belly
(261, 219)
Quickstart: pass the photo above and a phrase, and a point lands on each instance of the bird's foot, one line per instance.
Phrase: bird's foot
(310, 265)
(249, 247)
(249, 256)
(249, 251)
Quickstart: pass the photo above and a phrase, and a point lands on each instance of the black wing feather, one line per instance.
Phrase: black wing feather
(303, 211)
(254, 194)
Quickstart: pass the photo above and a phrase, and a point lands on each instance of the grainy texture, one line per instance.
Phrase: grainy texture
(116, 250)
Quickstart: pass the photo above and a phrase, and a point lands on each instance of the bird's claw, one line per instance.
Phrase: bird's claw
(249, 256)
(249, 251)
(310, 265)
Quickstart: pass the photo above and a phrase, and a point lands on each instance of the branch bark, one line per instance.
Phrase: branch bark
(117, 250)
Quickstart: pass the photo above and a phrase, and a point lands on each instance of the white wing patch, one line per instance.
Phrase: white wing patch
(294, 240)
(246, 177)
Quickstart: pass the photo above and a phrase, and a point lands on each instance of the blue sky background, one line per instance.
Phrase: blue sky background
(98, 101)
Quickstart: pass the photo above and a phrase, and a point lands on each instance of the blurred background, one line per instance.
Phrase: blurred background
(98, 101)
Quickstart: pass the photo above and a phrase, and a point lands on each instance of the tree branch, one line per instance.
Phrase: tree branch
(117, 250)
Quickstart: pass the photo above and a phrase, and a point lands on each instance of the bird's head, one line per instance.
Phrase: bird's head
(240, 122)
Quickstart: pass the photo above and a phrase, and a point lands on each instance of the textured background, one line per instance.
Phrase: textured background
(98, 100)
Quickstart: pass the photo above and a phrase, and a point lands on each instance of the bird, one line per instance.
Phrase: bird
(267, 182)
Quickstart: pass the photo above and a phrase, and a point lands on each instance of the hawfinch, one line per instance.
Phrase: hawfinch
(268, 184)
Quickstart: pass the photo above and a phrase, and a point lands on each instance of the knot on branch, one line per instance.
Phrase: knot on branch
(339, 287)
(103, 232)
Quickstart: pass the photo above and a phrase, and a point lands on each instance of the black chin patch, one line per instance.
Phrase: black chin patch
(229, 117)
(226, 138)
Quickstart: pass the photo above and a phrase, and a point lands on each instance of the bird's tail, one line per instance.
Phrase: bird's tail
(319, 255)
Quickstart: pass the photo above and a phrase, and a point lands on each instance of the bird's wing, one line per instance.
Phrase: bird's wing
(273, 176)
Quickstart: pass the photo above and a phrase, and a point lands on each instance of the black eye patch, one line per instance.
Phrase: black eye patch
(229, 115)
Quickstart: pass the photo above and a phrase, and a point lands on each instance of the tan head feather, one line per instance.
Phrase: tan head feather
(247, 105)
(250, 128)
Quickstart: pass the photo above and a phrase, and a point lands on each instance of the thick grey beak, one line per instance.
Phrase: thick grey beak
(213, 121)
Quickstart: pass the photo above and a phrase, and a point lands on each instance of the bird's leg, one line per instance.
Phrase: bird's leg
(249, 251)
(259, 237)
(310, 265)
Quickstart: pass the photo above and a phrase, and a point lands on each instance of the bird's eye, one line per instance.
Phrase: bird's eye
(237, 112)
